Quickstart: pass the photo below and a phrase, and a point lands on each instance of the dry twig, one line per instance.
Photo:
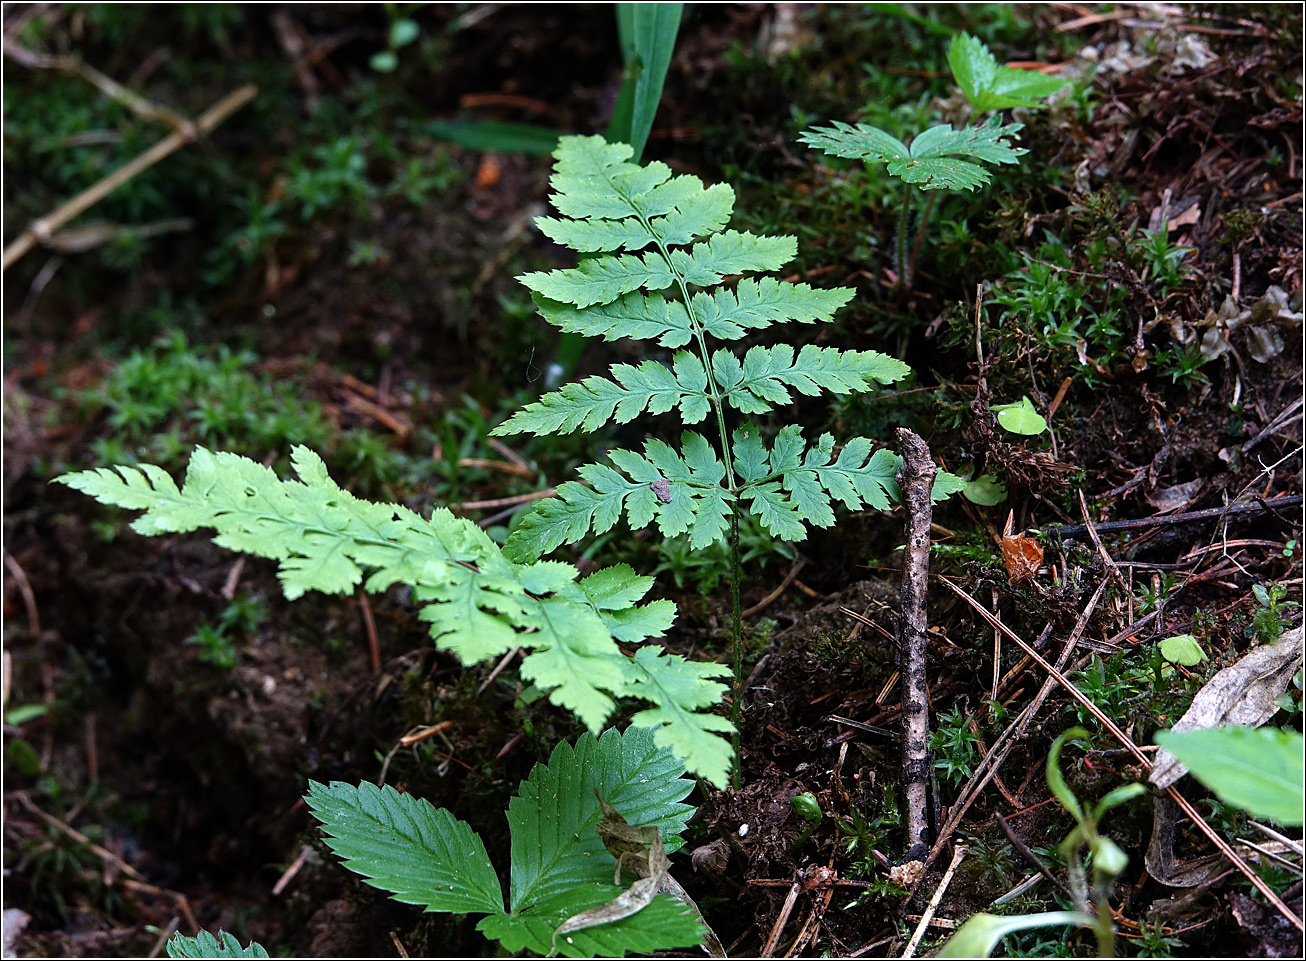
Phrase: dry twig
(918, 480)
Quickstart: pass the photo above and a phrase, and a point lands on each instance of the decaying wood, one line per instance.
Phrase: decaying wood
(918, 472)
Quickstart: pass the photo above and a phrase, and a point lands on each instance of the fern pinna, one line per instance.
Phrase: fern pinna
(664, 254)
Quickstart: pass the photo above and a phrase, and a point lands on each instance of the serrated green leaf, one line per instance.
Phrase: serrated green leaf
(553, 818)
(732, 252)
(406, 846)
(751, 458)
(770, 505)
(991, 86)
(615, 588)
(1256, 769)
(945, 485)
(757, 303)
(595, 401)
(761, 380)
(574, 660)
(601, 279)
(641, 317)
(205, 945)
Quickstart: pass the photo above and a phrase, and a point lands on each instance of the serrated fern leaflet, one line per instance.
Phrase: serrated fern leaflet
(478, 604)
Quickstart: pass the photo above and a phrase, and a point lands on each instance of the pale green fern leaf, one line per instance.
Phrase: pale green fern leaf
(790, 487)
(939, 158)
(732, 252)
(633, 315)
(759, 383)
(478, 604)
(755, 303)
(682, 689)
(594, 401)
(575, 672)
(601, 279)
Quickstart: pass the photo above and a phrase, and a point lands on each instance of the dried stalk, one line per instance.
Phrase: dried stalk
(917, 482)
(43, 229)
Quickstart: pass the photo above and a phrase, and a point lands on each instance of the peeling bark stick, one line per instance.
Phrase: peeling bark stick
(918, 472)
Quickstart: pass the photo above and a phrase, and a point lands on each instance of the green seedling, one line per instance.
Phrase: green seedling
(1273, 614)
(807, 807)
(560, 865)
(982, 933)
(673, 293)
(403, 31)
(941, 158)
(1182, 649)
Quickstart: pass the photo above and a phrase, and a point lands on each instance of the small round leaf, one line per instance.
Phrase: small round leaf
(384, 62)
(1182, 649)
(403, 32)
(1020, 418)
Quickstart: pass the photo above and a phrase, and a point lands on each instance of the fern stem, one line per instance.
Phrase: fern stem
(900, 241)
(920, 233)
(737, 628)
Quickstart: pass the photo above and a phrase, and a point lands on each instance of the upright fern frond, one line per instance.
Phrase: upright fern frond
(478, 604)
(665, 256)
(940, 158)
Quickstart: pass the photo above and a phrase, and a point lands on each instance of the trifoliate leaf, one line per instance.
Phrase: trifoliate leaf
(554, 844)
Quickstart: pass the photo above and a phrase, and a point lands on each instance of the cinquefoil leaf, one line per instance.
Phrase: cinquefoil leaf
(553, 818)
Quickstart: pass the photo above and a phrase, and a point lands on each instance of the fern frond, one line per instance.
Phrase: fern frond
(681, 491)
(939, 158)
(788, 488)
(478, 604)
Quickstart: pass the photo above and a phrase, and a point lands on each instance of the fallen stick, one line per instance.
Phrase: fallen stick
(1165, 520)
(918, 472)
(41, 230)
